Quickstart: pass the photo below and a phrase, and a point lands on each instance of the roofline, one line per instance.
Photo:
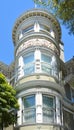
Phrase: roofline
(35, 12)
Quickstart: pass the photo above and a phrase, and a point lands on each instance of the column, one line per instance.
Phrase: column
(58, 120)
(21, 69)
(19, 113)
(38, 107)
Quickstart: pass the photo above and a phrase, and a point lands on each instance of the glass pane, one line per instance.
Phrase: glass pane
(27, 29)
(48, 109)
(29, 101)
(47, 101)
(48, 115)
(29, 69)
(29, 115)
(46, 68)
(46, 58)
(29, 58)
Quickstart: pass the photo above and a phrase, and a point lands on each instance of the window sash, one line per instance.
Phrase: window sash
(48, 101)
(28, 58)
(29, 115)
(29, 112)
(48, 109)
(46, 58)
(29, 101)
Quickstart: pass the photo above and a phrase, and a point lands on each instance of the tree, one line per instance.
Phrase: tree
(63, 9)
(8, 102)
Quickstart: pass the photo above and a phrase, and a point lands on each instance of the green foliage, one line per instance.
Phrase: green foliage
(63, 9)
(8, 101)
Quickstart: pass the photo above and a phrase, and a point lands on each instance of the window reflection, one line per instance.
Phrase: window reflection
(27, 29)
(29, 113)
(29, 58)
(47, 101)
(29, 101)
(29, 66)
(47, 108)
(46, 58)
(45, 64)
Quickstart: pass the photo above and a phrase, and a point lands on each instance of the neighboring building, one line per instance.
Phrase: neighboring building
(8, 71)
(69, 79)
(44, 91)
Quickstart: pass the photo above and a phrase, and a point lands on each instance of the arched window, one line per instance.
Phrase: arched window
(39, 108)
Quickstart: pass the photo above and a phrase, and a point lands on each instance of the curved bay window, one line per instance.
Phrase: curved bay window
(36, 28)
(44, 106)
(40, 63)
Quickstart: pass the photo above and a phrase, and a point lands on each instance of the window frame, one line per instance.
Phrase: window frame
(50, 109)
(29, 67)
(30, 109)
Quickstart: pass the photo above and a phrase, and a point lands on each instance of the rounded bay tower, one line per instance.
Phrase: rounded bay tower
(38, 54)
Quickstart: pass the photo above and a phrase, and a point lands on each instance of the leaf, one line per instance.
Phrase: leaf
(7, 100)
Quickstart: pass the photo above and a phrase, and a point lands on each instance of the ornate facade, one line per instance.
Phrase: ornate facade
(44, 91)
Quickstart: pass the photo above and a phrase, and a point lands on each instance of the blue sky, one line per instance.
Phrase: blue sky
(10, 10)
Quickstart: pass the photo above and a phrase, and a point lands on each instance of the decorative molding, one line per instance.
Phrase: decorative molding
(37, 42)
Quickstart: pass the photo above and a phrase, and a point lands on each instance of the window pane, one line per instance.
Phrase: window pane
(27, 29)
(48, 109)
(48, 115)
(46, 68)
(29, 58)
(45, 28)
(29, 68)
(29, 101)
(29, 113)
(47, 101)
(46, 58)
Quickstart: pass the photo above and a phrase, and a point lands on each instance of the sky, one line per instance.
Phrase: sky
(10, 10)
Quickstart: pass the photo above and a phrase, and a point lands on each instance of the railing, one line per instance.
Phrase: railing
(29, 68)
(46, 68)
(29, 115)
(42, 33)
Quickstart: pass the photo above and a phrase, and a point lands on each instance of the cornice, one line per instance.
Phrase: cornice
(35, 12)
